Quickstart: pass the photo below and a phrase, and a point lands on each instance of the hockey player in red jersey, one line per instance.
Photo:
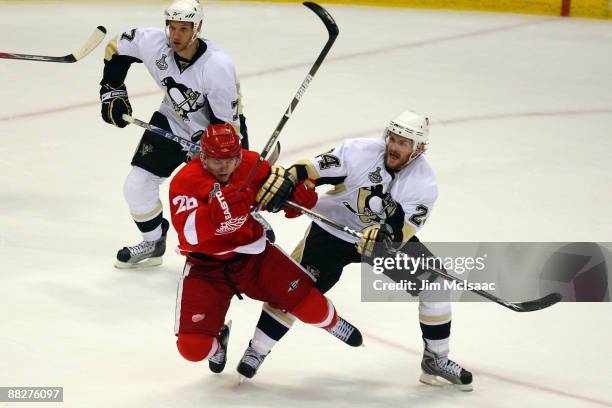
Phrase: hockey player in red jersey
(227, 251)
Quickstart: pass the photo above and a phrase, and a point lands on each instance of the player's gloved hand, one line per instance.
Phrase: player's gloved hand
(276, 189)
(375, 238)
(115, 103)
(230, 203)
(304, 195)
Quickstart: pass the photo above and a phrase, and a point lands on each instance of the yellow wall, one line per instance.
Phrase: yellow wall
(592, 8)
(579, 8)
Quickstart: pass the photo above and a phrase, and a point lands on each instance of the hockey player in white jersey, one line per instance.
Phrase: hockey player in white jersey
(386, 189)
(201, 88)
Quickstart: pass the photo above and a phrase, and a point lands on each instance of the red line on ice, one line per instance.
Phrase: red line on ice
(503, 378)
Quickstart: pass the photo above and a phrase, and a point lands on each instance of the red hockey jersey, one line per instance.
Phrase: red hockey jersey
(191, 192)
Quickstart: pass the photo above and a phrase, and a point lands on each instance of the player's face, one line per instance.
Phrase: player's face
(398, 151)
(180, 33)
(221, 169)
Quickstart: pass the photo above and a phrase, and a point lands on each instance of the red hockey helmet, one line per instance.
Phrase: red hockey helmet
(220, 142)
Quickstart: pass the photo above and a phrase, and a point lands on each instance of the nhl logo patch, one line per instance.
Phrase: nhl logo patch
(293, 285)
(161, 63)
(375, 176)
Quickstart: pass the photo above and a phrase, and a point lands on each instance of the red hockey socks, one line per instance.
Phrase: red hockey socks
(316, 309)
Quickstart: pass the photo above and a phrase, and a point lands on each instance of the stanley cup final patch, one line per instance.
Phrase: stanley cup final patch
(375, 176)
(161, 63)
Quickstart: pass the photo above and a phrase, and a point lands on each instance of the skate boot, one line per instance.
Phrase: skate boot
(145, 254)
(217, 362)
(250, 362)
(435, 367)
(346, 332)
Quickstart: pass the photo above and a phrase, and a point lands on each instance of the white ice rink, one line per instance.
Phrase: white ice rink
(521, 110)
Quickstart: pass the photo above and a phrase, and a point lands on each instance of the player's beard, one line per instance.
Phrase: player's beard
(181, 46)
(399, 160)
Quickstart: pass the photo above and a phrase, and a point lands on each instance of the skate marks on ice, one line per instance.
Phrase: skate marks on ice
(326, 389)
(487, 378)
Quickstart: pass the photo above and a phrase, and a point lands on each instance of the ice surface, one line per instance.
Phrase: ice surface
(521, 114)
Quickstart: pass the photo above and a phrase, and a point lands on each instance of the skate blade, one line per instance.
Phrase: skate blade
(241, 379)
(147, 263)
(440, 382)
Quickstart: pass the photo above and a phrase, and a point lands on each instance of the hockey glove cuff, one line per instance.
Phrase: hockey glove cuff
(304, 195)
(374, 238)
(115, 104)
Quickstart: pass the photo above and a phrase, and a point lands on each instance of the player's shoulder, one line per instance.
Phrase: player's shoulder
(420, 177)
(143, 41)
(147, 34)
(191, 173)
(217, 56)
(363, 146)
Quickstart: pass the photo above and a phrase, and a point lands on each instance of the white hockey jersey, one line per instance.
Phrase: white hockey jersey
(362, 187)
(210, 80)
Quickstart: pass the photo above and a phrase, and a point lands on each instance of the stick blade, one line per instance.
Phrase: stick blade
(94, 40)
(328, 20)
(275, 153)
(538, 304)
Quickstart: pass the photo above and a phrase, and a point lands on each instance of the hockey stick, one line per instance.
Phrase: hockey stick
(527, 306)
(332, 30)
(188, 146)
(93, 41)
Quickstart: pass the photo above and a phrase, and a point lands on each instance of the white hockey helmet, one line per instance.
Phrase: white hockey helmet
(412, 126)
(185, 10)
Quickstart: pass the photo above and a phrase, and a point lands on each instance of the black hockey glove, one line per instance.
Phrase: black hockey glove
(276, 189)
(376, 240)
(115, 103)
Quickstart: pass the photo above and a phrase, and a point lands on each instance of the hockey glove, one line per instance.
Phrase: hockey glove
(229, 203)
(304, 195)
(276, 189)
(375, 240)
(115, 103)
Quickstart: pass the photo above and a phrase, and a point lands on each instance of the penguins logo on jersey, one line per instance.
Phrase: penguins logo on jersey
(373, 204)
(183, 100)
(369, 204)
(161, 63)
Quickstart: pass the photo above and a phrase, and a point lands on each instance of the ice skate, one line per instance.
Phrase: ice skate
(435, 367)
(250, 362)
(145, 254)
(346, 332)
(217, 362)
